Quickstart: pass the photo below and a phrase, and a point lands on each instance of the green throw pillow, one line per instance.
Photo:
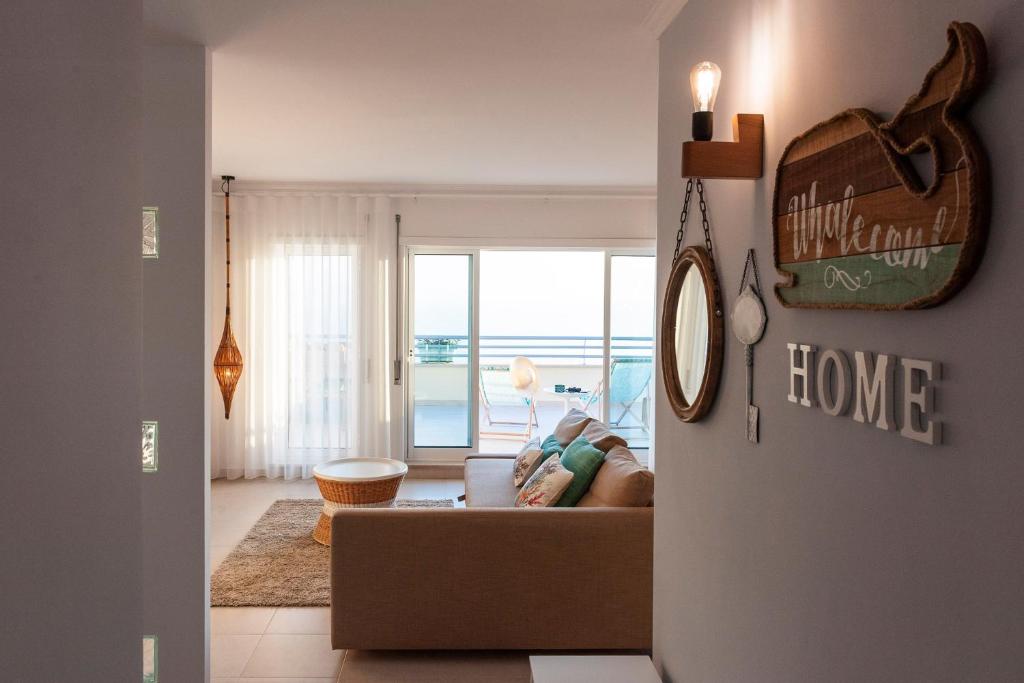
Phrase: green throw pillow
(549, 447)
(583, 460)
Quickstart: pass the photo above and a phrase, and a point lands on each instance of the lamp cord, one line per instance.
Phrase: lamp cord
(225, 187)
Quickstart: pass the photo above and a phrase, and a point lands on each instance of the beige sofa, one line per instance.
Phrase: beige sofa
(490, 575)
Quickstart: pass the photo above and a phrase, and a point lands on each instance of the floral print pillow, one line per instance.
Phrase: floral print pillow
(546, 485)
(527, 461)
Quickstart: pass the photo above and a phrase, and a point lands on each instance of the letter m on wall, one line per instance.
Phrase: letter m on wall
(874, 384)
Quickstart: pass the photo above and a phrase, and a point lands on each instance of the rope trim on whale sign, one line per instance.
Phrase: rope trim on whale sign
(854, 225)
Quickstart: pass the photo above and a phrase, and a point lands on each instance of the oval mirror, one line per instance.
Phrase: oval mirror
(691, 335)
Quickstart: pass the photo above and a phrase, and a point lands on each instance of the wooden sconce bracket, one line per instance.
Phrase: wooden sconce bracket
(742, 158)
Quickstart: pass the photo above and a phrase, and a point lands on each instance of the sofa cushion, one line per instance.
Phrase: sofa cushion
(583, 460)
(546, 486)
(489, 483)
(549, 447)
(621, 482)
(571, 426)
(527, 461)
(603, 439)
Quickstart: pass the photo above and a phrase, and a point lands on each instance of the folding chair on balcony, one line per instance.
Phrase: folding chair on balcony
(629, 378)
(498, 391)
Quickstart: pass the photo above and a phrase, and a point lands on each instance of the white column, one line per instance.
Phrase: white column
(177, 351)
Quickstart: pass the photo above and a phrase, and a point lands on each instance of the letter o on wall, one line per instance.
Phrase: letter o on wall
(834, 387)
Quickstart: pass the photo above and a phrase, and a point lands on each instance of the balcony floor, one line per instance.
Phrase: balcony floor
(442, 424)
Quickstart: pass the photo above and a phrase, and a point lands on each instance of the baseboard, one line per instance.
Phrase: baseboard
(432, 471)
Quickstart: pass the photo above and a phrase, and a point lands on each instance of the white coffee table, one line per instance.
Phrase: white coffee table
(592, 669)
(355, 482)
(566, 397)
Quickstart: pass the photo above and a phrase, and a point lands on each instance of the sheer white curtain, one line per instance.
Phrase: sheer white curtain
(309, 306)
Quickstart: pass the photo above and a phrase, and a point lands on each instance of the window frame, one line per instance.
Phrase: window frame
(473, 247)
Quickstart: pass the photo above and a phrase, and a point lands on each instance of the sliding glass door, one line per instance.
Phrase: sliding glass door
(502, 343)
(541, 313)
(442, 356)
(631, 305)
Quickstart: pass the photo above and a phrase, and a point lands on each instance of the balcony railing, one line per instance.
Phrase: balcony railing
(543, 350)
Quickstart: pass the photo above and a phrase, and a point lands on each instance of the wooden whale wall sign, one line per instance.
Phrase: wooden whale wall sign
(855, 225)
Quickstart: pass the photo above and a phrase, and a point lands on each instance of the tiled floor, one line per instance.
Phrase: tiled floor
(291, 644)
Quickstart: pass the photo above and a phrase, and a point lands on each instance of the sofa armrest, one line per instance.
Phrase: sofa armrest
(493, 578)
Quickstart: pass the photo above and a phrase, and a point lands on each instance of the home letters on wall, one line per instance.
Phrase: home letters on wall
(867, 389)
(856, 226)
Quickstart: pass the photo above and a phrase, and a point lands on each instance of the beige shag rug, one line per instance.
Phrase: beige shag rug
(278, 564)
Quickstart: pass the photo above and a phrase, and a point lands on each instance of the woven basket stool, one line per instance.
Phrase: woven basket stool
(355, 483)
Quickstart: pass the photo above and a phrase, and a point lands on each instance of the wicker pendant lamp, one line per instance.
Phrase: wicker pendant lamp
(227, 364)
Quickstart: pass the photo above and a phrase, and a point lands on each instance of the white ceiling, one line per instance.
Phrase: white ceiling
(497, 92)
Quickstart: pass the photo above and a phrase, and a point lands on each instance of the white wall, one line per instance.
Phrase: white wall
(70, 295)
(452, 214)
(834, 551)
(177, 360)
(561, 218)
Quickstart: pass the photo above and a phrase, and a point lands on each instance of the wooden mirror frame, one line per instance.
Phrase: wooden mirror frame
(692, 257)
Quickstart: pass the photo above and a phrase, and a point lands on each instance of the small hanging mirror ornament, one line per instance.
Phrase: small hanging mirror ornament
(748, 322)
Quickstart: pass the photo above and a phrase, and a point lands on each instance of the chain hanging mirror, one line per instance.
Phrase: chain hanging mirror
(692, 336)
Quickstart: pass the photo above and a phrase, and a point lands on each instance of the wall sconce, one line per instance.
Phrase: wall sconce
(704, 80)
(742, 158)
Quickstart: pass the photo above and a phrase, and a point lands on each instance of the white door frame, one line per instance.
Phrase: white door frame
(448, 454)
(455, 455)
(640, 451)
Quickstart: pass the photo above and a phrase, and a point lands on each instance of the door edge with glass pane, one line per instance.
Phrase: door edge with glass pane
(642, 452)
(441, 454)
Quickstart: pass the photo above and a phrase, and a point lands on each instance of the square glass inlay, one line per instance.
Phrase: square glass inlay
(150, 232)
(149, 659)
(150, 446)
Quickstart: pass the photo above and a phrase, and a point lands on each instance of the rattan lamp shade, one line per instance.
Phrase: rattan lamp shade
(227, 364)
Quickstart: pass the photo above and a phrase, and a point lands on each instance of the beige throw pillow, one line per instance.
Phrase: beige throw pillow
(546, 486)
(571, 426)
(527, 461)
(621, 482)
(603, 439)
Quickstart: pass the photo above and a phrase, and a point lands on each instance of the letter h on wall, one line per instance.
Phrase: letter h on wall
(803, 372)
